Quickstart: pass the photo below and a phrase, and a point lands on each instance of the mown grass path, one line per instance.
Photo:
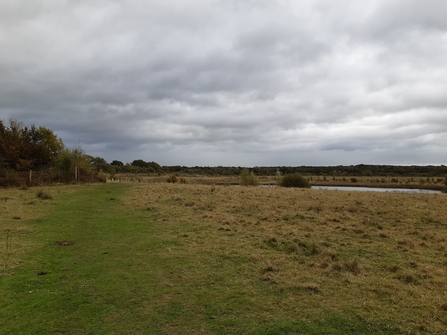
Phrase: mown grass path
(122, 259)
(78, 277)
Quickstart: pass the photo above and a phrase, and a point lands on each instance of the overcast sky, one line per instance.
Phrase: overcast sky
(231, 82)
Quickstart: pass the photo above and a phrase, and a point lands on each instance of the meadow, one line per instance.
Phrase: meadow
(160, 258)
(433, 183)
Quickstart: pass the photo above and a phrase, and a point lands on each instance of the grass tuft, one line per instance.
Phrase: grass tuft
(43, 195)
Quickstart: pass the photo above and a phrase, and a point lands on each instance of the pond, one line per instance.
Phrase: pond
(375, 189)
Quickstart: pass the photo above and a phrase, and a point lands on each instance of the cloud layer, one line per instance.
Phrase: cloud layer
(223, 82)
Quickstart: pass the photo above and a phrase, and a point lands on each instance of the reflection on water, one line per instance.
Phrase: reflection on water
(374, 189)
(364, 189)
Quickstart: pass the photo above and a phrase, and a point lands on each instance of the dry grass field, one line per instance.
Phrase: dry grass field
(434, 183)
(160, 258)
(379, 256)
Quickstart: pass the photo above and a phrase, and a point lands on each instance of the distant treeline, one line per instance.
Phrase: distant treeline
(37, 149)
(139, 166)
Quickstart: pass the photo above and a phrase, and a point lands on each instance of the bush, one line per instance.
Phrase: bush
(102, 176)
(9, 182)
(248, 178)
(44, 196)
(353, 180)
(172, 178)
(294, 180)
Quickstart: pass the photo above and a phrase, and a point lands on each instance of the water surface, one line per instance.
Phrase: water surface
(374, 189)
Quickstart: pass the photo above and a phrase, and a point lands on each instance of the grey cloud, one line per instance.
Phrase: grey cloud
(230, 82)
(394, 17)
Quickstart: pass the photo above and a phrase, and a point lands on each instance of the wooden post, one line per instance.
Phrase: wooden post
(30, 177)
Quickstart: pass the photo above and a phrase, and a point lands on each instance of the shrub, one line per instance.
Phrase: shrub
(102, 176)
(9, 181)
(43, 195)
(294, 180)
(172, 178)
(248, 178)
(353, 180)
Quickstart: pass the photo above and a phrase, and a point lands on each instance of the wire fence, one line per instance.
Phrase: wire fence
(31, 178)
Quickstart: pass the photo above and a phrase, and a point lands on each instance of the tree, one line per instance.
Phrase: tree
(248, 178)
(23, 148)
(73, 161)
(99, 164)
(47, 145)
(117, 163)
(139, 163)
(155, 166)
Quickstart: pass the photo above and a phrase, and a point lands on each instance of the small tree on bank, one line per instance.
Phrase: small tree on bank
(248, 178)
(294, 180)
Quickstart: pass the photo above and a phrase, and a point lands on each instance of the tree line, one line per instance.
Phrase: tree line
(140, 166)
(351, 170)
(24, 148)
